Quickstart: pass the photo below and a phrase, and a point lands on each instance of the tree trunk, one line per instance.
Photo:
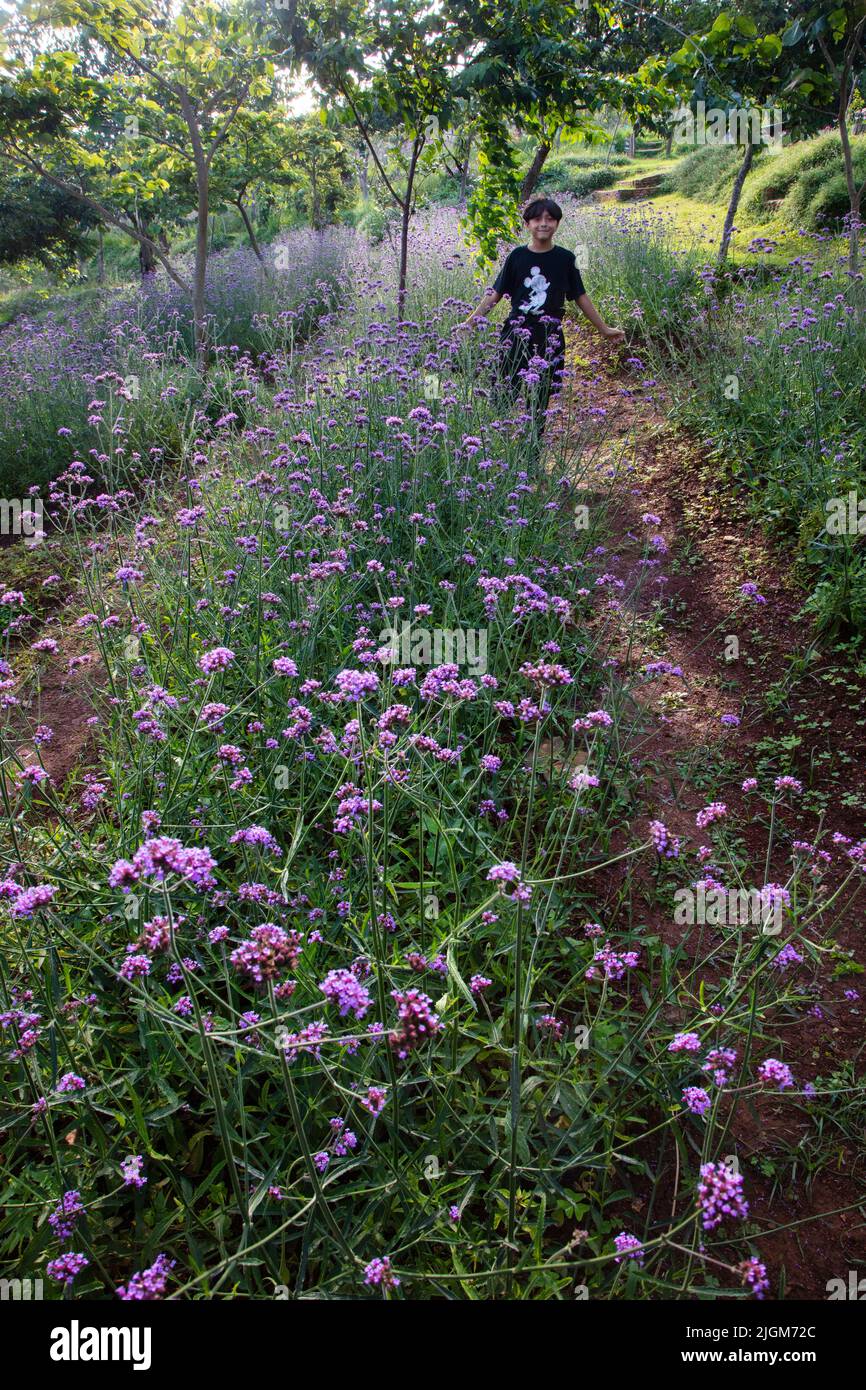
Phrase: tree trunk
(202, 183)
(363, 177)
(854, 226)
(735, 201)
(239, 204)
(146, 255)
(669, 142)
(406, 211)
(632, 143)
(613, 138)
(315, 209)
(535, 168)
(404, 257)
(855, 194)
(464, 170)
(199, 275)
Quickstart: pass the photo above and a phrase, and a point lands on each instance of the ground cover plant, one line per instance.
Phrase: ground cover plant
(314, 889)
(767, 366)
(803, 183)
(53, 363)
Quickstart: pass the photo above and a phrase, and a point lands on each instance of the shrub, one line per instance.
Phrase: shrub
(810, 180)
(52, 366)
(565, 174)
(369, 218)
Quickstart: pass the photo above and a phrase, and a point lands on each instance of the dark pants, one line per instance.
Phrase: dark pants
(517, 345)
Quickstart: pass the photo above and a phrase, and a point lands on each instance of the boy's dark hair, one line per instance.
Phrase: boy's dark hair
(540, 205)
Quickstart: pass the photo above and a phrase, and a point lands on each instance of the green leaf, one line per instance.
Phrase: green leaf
(454, 974)
(769, 47)
(793, 34)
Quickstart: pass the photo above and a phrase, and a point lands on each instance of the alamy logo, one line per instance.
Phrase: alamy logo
(77, 1343)
(20, 1289)
(721, 907)
(846, 516)
(21, 517)
(425, 646)
(854, 1289)
(736, 125)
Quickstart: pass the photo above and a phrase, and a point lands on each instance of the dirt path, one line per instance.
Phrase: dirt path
(795, 717)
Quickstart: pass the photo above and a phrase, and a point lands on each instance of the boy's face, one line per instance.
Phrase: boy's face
(543, 227)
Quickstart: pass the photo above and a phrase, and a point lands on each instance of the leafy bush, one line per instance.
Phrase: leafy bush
(369, 218)
(706, 174)
(439, 189)
(564, 174)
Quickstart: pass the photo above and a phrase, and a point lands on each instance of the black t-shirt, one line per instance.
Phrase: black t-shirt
(539, 282)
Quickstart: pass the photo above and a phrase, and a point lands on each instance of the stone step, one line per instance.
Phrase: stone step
(629, 193)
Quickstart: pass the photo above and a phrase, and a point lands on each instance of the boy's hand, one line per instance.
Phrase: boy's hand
(615, 335)
(465, 325)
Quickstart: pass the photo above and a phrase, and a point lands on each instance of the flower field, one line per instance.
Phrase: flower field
(345, 960)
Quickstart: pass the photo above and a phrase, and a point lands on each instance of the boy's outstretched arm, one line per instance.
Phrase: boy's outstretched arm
(490, 298)
(588, 309)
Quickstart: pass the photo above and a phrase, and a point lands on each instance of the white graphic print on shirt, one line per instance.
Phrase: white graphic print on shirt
(538, 287)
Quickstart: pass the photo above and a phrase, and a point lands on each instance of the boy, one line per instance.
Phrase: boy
(539, 278)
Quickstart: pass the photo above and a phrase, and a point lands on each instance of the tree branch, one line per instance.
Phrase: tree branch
(105, 213)
(146, 68)
(223, 132)
(376, 160)
(832, 66)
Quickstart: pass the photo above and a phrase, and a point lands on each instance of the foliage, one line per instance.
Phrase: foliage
(809, 180)
(135, 348)
(40, 223)
(769, 370)
(315, 982)
(570, 176)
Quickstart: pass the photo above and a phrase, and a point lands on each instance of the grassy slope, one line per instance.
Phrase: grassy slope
(698, 220)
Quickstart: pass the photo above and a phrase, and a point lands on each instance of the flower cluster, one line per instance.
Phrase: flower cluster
(613, 964)
(161, 856)
(345, 989)
(720, 1196)
(508, 874)
(268, 951)
(628, 1247)
(379, 1274)
(663, 842)
(416, 1021)
(148, 1285)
